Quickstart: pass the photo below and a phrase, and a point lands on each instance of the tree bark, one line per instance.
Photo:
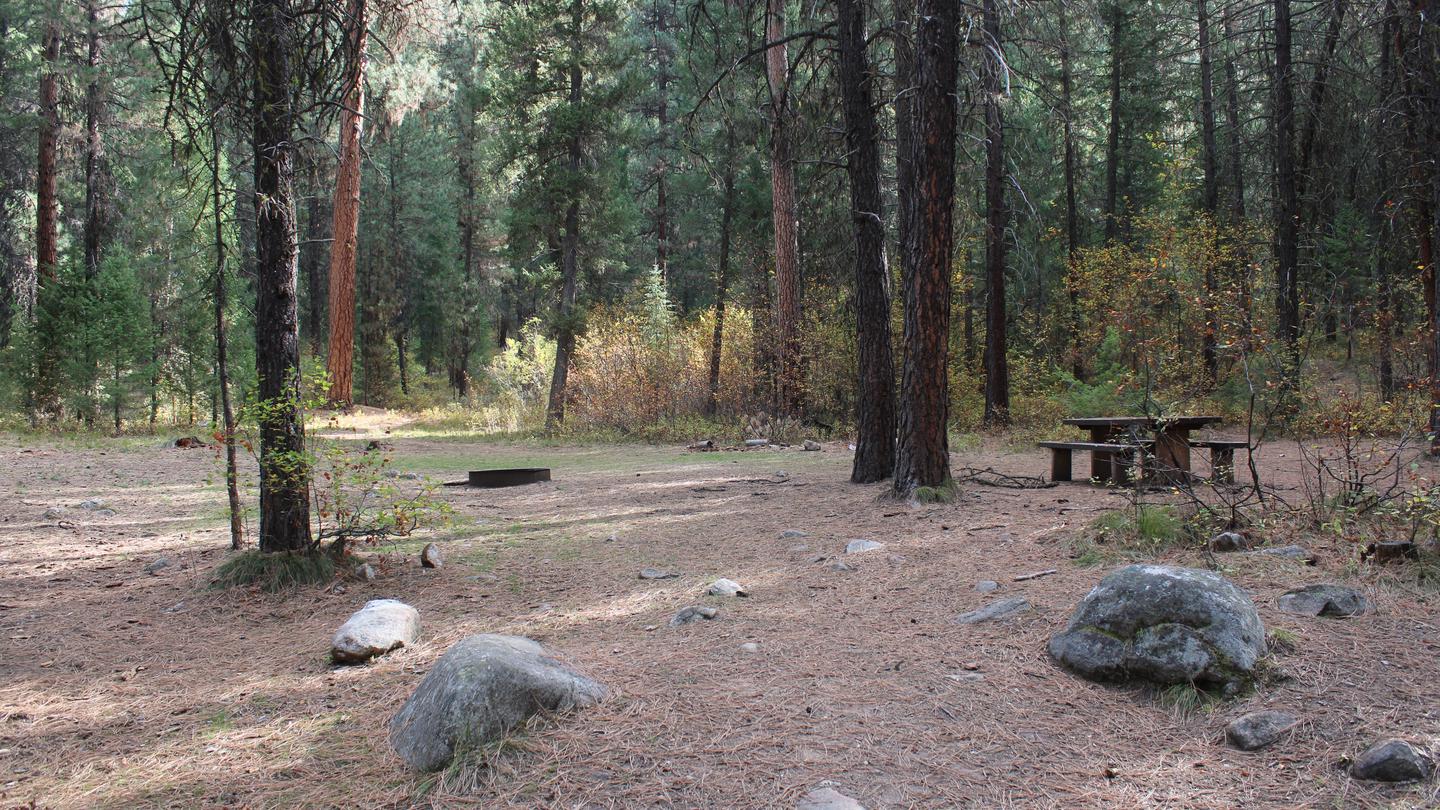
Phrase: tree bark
(922, 457)
(97, 198)
(1385, 297)
(284, 466)
(570, 243)
(340, 362)
(875, 393)
(1112, 141)
(997, 216)
(1209, 194)
(45, 396)
(904, 119)
(1072, 212)
(784, 216)
(722, 276)
(222, 348)
(1287, 205)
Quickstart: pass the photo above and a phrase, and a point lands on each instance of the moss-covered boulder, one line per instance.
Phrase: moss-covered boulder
(480, 688)
(1164, 625)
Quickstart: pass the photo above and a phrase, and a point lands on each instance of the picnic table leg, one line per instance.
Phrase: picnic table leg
(1172, 456)
(1102, 466)
(1222, 464)
(1060, 464)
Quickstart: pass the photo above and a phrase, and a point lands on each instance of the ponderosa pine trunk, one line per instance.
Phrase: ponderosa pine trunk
(1112, 141)
(222, 346)
(1209, 194)
(997, 216)
(785, 219)
(722, 277)
(922, 456)
(284, 466)
(1287, 204)
(1072, 212)
(875, 393)
(97, 197)
(904, 120)
(1384, 125)
(341, 360)
(570, 242)
(45, 396)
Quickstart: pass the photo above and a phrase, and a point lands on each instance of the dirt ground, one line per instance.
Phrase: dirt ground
(122, 688)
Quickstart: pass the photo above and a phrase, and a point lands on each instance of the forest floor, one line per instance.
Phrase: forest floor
(122, 688)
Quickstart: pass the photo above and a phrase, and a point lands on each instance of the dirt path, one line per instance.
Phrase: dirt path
(122, 688)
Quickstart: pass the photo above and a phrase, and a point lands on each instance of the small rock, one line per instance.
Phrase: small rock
(159, 563)
(1289, 552)
(1336, 601)
(782, 475)
(1393, 761)
(365, 571)
(792, 534)
(799, 548)
(987, 585)
(841, 565)
(54, 513)
(655, 573)
(693, 613)
(1229, 541)
(726, 587)
(812, 446)
(827, 798)
(1256, 730)
(379, 627)
(410, 476)
(966, 677)
(996, 611)
(92, 504)
(650, 628)
(431, 557)
(756, 442)
(612, 538)
(858, 546)
(751, 646)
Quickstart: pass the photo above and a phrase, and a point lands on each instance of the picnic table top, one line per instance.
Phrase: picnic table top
(1168, 422)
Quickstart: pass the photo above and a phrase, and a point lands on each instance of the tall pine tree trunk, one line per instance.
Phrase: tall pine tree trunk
(1072, 212)
(997, 367)
(1112, 141)
(284, 467)
(1287, 204)
(340, 362)
(97, 202)
(722, 276)
(45, 396)
(1209, 194)
(222, 347)
(922, 456)
(570, 242)
(875, 394)
(784, 215)
(904, 120)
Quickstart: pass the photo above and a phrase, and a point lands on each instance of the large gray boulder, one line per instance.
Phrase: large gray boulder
(379, 627)
(1166, 625)
(480, 688)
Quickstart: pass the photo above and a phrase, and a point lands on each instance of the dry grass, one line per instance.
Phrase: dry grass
(122, 689)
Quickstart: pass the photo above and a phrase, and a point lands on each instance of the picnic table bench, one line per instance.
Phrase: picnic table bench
(1135, 449)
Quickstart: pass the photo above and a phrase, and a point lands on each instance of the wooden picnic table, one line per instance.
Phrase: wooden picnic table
(1171, 436)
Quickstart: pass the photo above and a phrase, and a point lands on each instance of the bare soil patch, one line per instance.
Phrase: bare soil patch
(122, 688)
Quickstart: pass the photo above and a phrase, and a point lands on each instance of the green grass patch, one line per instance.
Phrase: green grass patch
(276, 572)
